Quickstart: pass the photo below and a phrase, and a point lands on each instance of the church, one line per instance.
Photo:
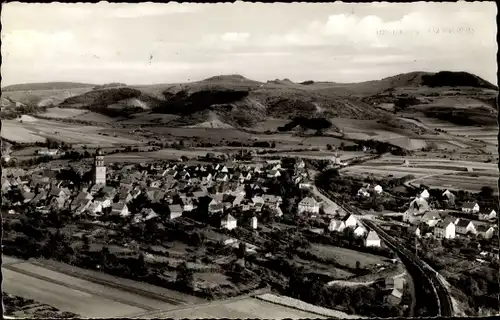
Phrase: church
(99, 169)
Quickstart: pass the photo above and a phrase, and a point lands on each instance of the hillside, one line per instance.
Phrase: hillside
(47, 86)
(234, 100)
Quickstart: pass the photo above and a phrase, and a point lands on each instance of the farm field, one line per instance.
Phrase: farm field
(12, 130)
(63, 298)
(39, 130)
(237, 309)
(436, 173)
(346, 256)
(63, 112)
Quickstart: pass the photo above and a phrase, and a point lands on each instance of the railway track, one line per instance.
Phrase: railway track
(437, 292)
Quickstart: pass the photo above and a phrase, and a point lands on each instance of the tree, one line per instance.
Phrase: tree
(358, 265)
(241, 250)
(184, 277)
(329, 147)
(486, 192)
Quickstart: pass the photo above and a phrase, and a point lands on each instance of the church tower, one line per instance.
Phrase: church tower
(99, 168)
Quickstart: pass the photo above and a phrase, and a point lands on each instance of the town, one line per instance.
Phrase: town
(175, 223)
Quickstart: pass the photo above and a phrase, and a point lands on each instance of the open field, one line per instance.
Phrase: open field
(63, 298)
(63, 113)
(12, 130)
(102, 295)
(346, 256)
(142, 286)
(70, 133)
(437, 173)
(236, 309)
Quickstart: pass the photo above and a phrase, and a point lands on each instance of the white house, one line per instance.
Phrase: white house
(363, 192)
(450, 196)
(336, 225)
(425, 194)
(431, 218)
(273, 174)
(308, 204)
(175, 211)
(485, 231)
(360, 231)
(488, 215)
(228, 222)
(445, 229)
(470, 207)
(464, 226)
(378, 189)
(350, 221)
(120, 209)
(372, 239)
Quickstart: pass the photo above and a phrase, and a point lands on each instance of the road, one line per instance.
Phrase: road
(69, 293)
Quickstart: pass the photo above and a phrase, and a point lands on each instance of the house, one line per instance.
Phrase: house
(309, 205)
(277, 212)
(445, 229)
(488, 214)
(28, 196)
(300, 164)
(378, 189)
(350, 221)
(253, 222)
(485, 231)
(336, 225)
(394, 283)
(415, 230)
(228, 222)
(372, 239)
(304, 186)
(175, 211)
(363, 192)
(82, 206)
(105, 203)
(330, 208)
(95, 207)
(394, 297)
(417, 207)
(424, 194)
(120, 209)
(187, 204)
(273, 174)
(470, 207)
(221, 177)
(450, 197)
(431, 218)
(465, 226)
(155, 195)
(215, 207)
(360, 231)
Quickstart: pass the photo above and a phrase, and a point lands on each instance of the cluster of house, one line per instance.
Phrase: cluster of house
(448, 225)
(178, 186)
(369, 190)
(339, 224)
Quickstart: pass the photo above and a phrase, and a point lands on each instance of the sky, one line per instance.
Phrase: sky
(166, 43)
